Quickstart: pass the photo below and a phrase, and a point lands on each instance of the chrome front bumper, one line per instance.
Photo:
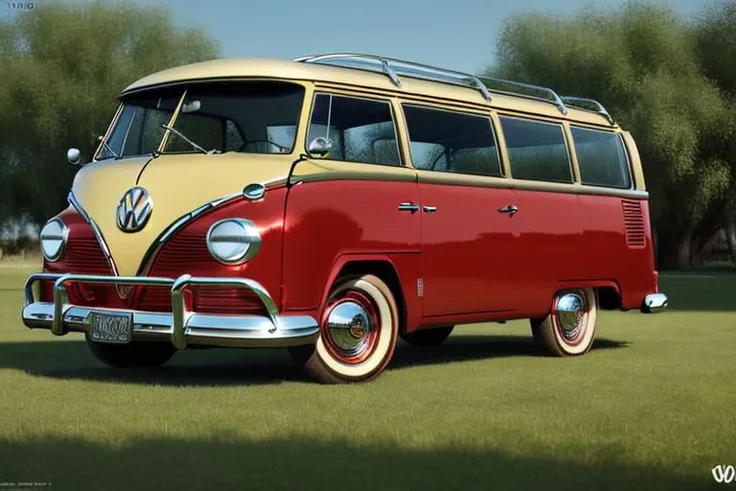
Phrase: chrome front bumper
(180, 327)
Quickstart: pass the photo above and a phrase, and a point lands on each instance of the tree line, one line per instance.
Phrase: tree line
(667, 79)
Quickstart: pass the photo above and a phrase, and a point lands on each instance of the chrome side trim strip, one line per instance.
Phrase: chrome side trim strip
(96, 230)
(180, 327)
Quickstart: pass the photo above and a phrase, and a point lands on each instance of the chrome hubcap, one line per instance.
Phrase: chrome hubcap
(570, 313)
(349, 327)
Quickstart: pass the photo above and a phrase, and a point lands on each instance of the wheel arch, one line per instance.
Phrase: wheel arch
(607, 291)
(379, 265)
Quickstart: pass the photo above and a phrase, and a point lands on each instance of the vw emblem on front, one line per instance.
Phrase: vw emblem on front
(134, 209)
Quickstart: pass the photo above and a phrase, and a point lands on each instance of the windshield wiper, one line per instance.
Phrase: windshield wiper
(181, 135)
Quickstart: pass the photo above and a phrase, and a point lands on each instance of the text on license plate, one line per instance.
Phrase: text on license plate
(112, 328)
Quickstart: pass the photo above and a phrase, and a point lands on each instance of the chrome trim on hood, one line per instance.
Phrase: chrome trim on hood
(187, 218)
(96, 230)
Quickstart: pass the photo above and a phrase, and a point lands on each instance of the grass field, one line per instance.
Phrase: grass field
(652, 406)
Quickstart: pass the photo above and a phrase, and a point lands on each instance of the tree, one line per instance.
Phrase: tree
(715, 39)
(63, 66)
(642, 63)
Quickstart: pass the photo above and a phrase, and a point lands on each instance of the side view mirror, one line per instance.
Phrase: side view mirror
(73, 155)
(191, 106)
(319, 147)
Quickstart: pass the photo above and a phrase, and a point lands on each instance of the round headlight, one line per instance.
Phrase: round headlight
(233, 240)
(53, 240)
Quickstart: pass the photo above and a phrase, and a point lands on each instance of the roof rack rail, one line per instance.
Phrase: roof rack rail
(590, 105)
(543, 93)
(393, 68)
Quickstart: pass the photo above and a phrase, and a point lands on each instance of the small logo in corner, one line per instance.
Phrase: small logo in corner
(724, 474)
(134, 209)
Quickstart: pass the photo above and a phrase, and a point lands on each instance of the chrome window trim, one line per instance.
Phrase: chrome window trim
(95, 230)
(387, 99)
(483, 114)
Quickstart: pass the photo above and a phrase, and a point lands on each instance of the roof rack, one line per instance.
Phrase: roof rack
(393, 68)
(590, 105)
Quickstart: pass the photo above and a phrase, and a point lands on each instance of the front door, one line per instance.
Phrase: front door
(468, 219)
(468, 246)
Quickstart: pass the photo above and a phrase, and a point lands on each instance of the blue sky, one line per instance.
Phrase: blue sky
(455, 34)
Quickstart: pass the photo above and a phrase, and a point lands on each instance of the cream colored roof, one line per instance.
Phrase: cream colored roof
(291, 70)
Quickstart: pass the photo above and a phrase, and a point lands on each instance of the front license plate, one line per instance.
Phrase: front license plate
(112, 328)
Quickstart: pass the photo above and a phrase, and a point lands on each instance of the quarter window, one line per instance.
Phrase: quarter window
(448, 141)
(536, 150)
(601, 158)
(360, 130)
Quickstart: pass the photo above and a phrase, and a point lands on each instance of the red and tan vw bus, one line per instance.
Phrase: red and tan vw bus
(335, 203)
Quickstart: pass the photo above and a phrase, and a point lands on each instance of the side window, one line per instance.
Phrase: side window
(361, 130)
(537, 150)
(428, 156)
(448, 141)
(601, 158)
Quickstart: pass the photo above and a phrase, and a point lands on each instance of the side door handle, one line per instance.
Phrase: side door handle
(429, 209)
(407, 206)
(510, 209)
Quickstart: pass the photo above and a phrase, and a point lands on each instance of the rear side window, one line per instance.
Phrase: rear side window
(360, 130)
(449, 141)
(601, 158)
(537, 150)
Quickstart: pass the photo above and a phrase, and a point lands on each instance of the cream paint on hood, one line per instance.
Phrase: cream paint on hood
(177, 184)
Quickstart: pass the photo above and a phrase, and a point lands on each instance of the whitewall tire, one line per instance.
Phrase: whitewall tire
(359, 330)
(569, 329)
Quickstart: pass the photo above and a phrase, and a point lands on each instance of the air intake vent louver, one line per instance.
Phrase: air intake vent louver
(634, 223)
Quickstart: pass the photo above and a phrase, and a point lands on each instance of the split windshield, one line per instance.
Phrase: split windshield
(248, 117)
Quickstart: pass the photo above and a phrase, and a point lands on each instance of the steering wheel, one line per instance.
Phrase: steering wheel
(445, 153)
(249, 142)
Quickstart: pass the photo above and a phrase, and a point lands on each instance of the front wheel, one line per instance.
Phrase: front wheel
(359, 330)
(569, 330)
(133, 355)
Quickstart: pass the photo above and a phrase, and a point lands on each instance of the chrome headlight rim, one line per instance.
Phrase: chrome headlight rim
(62, 235)
(249, 235)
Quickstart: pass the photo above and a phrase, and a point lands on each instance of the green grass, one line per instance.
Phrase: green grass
(652, 406)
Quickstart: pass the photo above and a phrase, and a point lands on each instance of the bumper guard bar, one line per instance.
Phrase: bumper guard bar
(181, 327)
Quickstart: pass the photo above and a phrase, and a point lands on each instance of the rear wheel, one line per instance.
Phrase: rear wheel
(133, 355)
(569, 330)
(428, 337)
(359, 330)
